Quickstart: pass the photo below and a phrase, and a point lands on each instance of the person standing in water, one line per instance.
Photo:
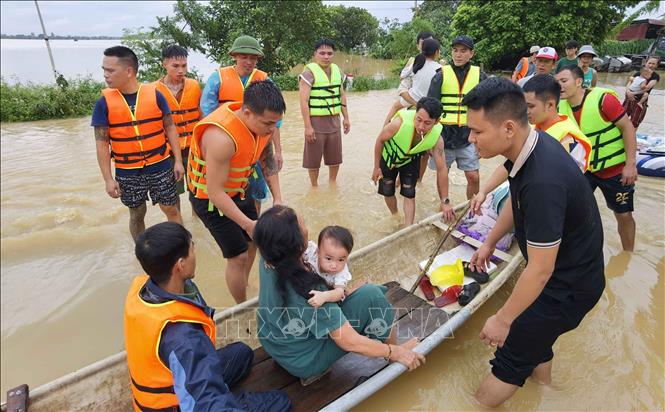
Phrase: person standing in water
(183, 96)
(225, 145)
(322, 99)
(397, 152)
(559, 232)
(613, 165)
(449, 86)
(133, 123)
(586, 55)
(227, 84)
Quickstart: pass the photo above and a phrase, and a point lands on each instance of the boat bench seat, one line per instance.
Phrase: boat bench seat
(414, 317)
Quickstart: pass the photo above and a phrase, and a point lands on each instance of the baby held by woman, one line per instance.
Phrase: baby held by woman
(329, 260)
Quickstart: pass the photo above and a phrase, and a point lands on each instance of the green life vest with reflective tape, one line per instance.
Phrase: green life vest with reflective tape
(607, 148)
(325, 98)
(452, 94)
(397, 151)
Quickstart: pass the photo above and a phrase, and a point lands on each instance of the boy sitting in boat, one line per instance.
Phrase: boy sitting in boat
(170, 335)
(329, 260)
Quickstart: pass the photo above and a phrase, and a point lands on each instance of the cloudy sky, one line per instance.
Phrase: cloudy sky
(110, 17)
(104, 18)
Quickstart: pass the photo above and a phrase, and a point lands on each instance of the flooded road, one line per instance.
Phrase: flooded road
(67, 261)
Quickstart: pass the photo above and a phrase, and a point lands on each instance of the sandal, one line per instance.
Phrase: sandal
(468, 293)
(480, 277)
(448, 296)
(427, 288)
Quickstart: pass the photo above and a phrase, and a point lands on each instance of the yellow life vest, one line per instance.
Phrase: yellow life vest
(452, 94)
(607, 148)
(325, 98)
(397, 151)
(564, 127)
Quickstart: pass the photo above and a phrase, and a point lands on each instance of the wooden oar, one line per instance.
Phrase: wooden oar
(436, 251)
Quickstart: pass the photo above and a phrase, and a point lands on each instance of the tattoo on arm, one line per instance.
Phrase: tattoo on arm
(269, 163)
(168, 121)
(102, 133)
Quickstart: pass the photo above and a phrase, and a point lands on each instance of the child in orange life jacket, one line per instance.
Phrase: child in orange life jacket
(329, 260)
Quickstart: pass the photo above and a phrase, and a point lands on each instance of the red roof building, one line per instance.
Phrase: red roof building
(642, 29)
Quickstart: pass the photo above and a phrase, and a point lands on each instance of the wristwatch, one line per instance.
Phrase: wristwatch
(445, 201)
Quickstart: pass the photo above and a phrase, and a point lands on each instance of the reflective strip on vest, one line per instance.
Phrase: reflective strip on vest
(151, 381)
(397, 151)
(248, 151)
(565, 127)
(137, 138)
(452, 94)
(325, 97)
(607, 147)
(231, 88)
(186, 111)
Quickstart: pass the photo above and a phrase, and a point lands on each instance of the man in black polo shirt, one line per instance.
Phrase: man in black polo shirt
(559, 231)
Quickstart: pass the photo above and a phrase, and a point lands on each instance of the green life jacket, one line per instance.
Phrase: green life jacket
(607, 148)
(325, 98)
(452, 94)
(397, 151)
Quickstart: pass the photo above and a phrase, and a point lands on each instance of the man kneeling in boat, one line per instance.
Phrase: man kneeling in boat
(559, 232)
(170, 336)
(397, 153)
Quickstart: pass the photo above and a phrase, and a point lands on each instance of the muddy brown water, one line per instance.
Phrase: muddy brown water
(67, 261)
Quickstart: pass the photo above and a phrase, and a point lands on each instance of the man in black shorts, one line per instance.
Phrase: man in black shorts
(132, 123)
(225, 145)
(559, 232)
(397, 153)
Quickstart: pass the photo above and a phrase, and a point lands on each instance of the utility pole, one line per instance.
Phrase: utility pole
(415, 8)
(48, 46)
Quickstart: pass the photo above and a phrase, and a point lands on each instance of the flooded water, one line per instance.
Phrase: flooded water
(27, 61)
(67, 261)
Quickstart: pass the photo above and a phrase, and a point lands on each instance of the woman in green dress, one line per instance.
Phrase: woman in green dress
(304, 340)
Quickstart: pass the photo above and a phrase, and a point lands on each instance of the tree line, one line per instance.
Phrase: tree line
(503, 30)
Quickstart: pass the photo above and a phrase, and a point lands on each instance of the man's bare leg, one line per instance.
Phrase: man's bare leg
(251, 255)
(172, 212)
(391, 202)
(472, 183)
(493, 392)
(236, 279)
(332, 173)
(409, 211)
(626, 226)
(543, 373)
(137, 220)
(313, 177)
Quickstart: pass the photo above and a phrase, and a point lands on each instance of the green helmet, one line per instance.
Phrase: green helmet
(246, 45)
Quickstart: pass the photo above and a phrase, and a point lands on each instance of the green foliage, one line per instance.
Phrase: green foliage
(286, 29)
(506, 29)
(363, 84)
(352, 27)
(24, 102)
(618, 48)
(286, 82)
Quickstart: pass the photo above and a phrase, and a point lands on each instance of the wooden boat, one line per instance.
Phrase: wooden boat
(104, 385)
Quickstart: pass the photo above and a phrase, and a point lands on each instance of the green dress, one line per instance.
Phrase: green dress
(296, 334)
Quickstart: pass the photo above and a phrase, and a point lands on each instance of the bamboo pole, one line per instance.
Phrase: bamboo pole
(48, 45)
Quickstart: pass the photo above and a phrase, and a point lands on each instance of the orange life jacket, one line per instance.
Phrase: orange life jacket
(525, 69)
(248, 152)
(151, 380)
(137, 138)
(231, 88)
(186, 111)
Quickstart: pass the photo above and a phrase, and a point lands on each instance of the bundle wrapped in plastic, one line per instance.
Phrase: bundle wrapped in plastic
(479, 226)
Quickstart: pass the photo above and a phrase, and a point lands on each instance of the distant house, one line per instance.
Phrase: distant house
(642, 29)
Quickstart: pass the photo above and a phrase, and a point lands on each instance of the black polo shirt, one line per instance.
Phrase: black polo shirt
(553, 205)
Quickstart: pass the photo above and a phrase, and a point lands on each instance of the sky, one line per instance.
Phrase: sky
(102, 18)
